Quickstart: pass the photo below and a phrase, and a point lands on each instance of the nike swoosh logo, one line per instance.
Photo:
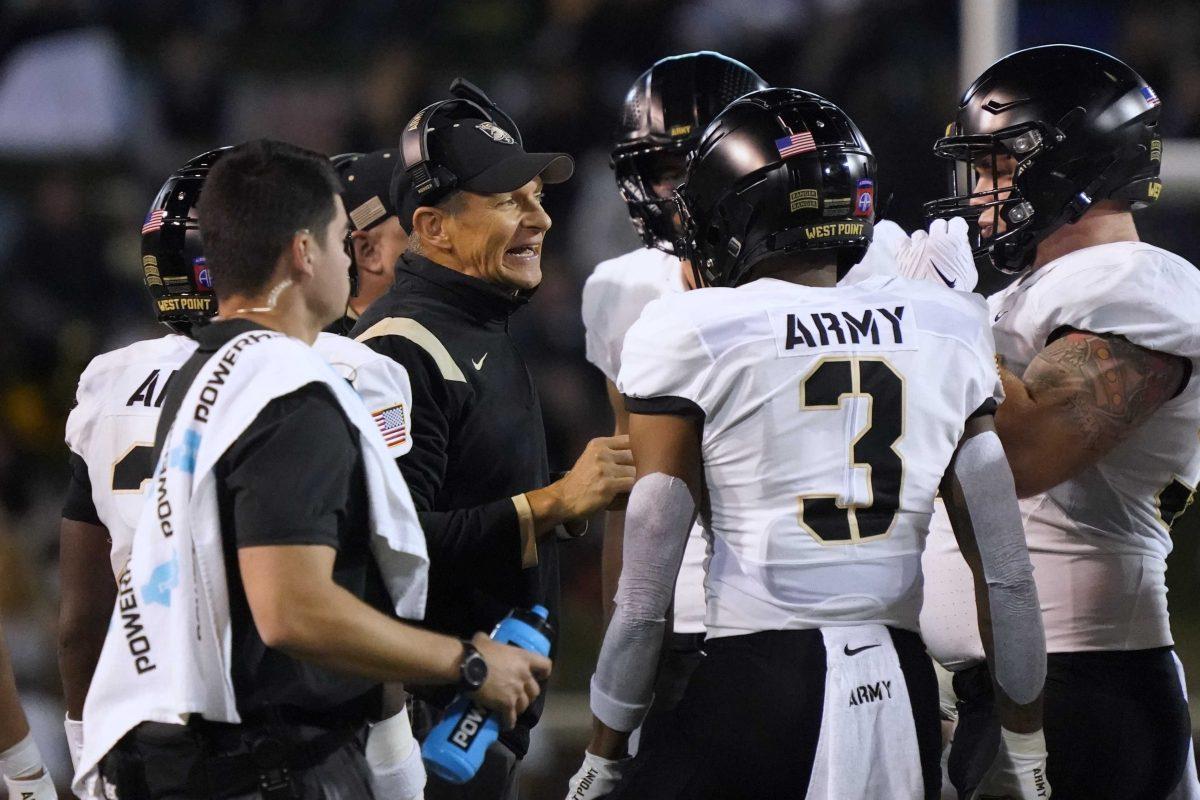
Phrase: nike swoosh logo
(856, 650)
(999, 314)
(478, 365)
(945, 280)
(996, 106)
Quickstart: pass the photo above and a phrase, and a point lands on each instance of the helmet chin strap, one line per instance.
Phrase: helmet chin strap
(272, 300)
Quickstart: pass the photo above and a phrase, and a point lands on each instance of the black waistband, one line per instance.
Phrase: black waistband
(686, 642)
(218, 760)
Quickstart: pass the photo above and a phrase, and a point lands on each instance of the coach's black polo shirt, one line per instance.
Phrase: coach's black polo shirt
(478, 444)
(294, 477)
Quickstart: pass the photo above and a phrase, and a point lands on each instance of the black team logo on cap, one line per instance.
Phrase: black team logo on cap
(496, 133)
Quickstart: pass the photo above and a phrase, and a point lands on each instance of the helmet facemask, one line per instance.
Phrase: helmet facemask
(1081, 127)
(653, 217)
(1015, 226)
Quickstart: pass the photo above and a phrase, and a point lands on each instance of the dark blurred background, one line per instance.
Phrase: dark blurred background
(101, 99)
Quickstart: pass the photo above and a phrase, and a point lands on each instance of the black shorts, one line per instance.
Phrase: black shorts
(1117, 725)
(681, 653)
(749, 721)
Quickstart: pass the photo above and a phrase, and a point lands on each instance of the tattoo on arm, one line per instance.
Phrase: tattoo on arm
(1107, 385)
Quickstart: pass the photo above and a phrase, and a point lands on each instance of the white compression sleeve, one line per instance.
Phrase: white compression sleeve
(657, 519)
(1018, 638)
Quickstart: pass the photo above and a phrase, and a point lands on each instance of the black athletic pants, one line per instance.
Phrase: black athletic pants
(1117, 726)
(750, 718)
(210, 761)
(680, 655)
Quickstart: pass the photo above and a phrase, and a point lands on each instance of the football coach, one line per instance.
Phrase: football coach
(256, 619)
(471, 203)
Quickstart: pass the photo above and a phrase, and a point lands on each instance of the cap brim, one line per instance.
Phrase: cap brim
(513, 173)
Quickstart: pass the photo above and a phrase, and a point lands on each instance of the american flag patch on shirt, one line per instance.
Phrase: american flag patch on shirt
(154, 221)
(795, 144)
(1149, 96)
(392, 424)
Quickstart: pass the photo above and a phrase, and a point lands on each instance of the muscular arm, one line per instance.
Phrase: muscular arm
(982, 506)
(88, 594)
(614, 521)
(1080, 397)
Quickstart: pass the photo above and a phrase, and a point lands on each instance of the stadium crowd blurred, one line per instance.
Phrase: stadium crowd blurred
(100, 100)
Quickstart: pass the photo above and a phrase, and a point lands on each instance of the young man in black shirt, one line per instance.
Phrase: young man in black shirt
(478, 468)
(312, 635)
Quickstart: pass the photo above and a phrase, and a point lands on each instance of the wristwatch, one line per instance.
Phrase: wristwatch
(472, 670)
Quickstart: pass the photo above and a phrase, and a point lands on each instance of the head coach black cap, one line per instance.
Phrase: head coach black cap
(366, 185)
(484, 157)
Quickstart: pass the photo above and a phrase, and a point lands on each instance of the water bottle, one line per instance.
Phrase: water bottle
(454, 750)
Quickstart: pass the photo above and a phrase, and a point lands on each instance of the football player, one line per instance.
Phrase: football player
(663, 115)
(110, 433)
(1101, 421)
(810, 426)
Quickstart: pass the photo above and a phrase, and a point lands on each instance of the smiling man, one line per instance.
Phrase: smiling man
(478, 469)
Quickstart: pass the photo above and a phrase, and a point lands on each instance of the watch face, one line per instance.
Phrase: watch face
(474, 670)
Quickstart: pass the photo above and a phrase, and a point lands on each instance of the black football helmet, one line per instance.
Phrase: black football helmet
(665, 111)
(1081, 126)
(778, 171)
(173, 264)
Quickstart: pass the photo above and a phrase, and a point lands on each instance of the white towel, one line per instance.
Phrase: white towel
(868, 744)
(168, 648)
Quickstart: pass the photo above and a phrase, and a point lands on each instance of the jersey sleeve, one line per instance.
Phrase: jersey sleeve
(664, 364)
(82, 418)
(387, 393)
(78, 505)
(600, 350)
(1145, 298)
(984, 391)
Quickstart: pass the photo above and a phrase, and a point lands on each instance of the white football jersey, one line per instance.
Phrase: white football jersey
(614, 296)
(1100, 540)
(112, 428)
(613, 299)
(120, 395)
(830, 415)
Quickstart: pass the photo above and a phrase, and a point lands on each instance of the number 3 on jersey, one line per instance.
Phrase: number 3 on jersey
(136, 466)
(871, 479)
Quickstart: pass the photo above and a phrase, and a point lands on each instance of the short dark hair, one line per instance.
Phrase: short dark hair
(253, 202)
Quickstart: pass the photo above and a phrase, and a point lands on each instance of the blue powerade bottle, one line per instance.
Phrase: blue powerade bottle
(454, 749)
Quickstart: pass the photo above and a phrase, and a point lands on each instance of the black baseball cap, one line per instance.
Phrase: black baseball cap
(486, 159)
(366, 185)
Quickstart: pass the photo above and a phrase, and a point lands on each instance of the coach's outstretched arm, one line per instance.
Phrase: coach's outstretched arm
(662, 507)
(982, 505)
